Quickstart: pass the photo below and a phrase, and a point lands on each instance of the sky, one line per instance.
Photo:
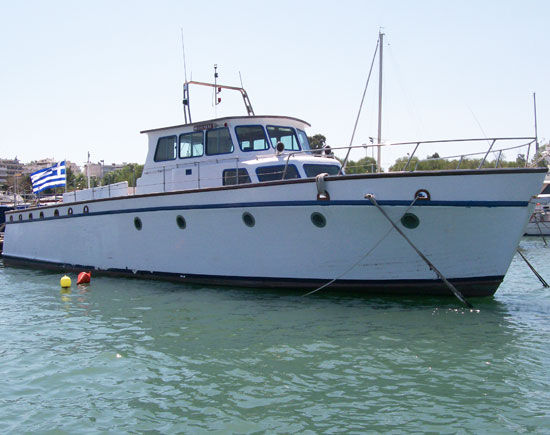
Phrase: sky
(88, 76)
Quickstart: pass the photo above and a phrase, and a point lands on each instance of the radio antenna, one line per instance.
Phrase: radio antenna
(241, 79)
(183, 52)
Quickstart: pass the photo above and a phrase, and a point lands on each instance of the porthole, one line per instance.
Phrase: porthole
(410, 220)
(56, 212)
(180, 220)
(30, 216)
(318, 219)
(41, 215)
(137, 223)
(20, 217)
(70, 211)
(248, 219)
(11, 218)
(85, 209)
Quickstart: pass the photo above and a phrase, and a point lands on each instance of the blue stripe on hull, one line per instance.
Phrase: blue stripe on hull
(363, 203)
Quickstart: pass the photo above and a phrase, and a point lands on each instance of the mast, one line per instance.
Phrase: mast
(379, 157)
(536, 133)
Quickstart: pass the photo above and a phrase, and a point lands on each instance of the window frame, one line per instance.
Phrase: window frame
(266, 137)
(237, 176)
(305, 165)
(308, 146)
(283, 126)
(206, 141)
(278, 179)
(187, 134)
(157, 148)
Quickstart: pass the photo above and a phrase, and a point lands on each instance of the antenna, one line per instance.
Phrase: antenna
(241, 79)
(217, 90)
(185, 100)
(536, 132)
(183, 52)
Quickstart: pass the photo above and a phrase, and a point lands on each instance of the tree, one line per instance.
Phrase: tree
(434, 162)
(130, 173)
(361, 166)
(317, 141)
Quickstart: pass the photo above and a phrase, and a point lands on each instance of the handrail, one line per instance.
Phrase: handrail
(164, 181)
(187, 103)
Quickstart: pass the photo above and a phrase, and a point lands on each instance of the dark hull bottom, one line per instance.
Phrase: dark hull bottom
(481, 286)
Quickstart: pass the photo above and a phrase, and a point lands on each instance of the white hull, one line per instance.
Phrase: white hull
(470, 230)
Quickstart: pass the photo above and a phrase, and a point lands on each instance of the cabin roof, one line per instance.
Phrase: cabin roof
(225, 119)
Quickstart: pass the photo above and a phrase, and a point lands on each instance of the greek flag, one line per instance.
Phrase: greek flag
(49, 177)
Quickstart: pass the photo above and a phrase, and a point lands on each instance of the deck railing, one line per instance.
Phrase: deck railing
(496, 146)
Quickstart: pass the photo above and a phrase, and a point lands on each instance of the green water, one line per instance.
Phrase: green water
(134, 356)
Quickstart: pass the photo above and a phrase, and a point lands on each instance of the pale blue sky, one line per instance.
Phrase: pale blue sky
(79, 76)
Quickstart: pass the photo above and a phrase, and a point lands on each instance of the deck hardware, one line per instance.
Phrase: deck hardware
(423, 195)
(322, 193)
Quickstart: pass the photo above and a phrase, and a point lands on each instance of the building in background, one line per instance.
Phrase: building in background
(99, 169)
(36, 165)
(13, 167)
(92, 170)
(3, 174)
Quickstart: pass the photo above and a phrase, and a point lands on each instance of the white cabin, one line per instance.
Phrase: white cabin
(212, 153)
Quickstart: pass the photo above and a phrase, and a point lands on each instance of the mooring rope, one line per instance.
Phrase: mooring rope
(541, 279)
(362, 258)
(455, 291)
(540, 231)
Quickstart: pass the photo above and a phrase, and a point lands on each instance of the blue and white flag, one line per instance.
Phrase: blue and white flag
(49, 177)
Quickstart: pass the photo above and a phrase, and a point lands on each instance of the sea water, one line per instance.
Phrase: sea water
(123, 355)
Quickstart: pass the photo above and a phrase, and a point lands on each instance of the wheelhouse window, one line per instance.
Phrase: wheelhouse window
(273, 173)
(166, 148)
(252, 138)
(218, 141)
(229, 177)
(191, 145)
(314, 170)
(302, 138)
(286, 135)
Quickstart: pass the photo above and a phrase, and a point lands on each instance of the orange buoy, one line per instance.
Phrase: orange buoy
(84, 278)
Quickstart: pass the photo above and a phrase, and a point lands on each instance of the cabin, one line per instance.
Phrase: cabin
(229, 151)
(222, 152)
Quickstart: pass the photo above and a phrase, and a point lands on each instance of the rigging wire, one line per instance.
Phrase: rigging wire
(411, 107)
(360, 107)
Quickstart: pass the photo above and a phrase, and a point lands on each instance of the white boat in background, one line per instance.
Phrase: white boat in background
(244, 201)
(539, 222)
